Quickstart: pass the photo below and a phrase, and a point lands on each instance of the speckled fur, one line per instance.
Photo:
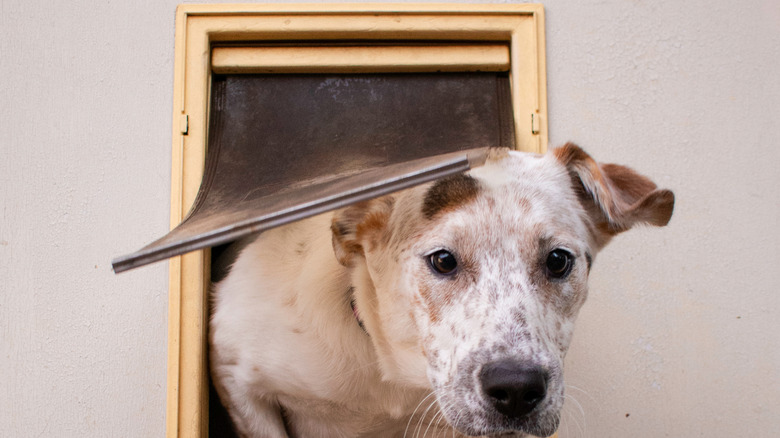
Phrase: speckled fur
(289, 359)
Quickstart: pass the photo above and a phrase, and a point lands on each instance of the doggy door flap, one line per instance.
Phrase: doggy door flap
(285, 147)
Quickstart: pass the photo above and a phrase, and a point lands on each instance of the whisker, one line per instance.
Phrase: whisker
(418, 429)
(415, 411)
(455, 421)
(586, 393)
(443, 421)
(434, 421)
(567, 419)
(582, 428)
(582, 414)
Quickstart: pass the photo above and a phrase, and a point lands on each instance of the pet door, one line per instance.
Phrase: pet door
(286, 111)
(285, 147)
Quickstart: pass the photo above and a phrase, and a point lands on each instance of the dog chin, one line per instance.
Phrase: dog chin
(532, 427)
(486, 422)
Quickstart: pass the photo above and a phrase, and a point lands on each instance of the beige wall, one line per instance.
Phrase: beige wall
(680, 334)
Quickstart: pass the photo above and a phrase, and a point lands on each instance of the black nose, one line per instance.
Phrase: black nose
(514, 388)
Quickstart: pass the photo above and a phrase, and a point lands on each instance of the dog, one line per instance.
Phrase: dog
(446, 308)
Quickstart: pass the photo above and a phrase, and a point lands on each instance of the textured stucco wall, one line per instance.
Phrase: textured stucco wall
(680, 334)
(85, 110)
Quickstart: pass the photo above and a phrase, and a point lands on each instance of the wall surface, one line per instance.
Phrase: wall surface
(680, 336)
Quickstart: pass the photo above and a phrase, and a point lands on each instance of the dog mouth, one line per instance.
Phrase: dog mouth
(503, 398)
(539, 424)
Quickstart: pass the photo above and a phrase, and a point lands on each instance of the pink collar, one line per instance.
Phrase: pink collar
(355, 312)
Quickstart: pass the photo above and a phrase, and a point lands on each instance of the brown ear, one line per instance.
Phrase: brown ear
(359, 225)
(617, 196)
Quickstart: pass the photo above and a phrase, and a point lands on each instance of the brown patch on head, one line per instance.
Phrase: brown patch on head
(449, 193)
(373, 223)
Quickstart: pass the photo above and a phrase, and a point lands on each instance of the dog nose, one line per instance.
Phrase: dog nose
(514, 388)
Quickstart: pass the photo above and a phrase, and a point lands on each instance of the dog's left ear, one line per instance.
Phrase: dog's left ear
(616, 196)
(359, 225)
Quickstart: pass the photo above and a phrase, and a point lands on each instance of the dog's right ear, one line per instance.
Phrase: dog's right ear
(359, 226)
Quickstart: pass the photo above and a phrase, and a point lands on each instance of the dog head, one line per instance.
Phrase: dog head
(470, 285)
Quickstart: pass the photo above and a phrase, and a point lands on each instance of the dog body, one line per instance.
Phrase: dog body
(446, 308)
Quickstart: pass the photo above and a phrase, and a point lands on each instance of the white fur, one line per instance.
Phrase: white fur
(290, 359)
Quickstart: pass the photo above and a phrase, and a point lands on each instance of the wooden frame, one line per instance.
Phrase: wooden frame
(361, 59)
(513, 35)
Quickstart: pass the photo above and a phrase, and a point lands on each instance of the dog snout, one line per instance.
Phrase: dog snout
(513, 388)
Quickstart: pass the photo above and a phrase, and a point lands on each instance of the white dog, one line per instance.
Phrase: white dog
(444, 309)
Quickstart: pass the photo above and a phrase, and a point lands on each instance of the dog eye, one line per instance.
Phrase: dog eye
(559, 263)
(443, 262)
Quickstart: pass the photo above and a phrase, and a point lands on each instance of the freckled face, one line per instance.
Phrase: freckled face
(499, 276)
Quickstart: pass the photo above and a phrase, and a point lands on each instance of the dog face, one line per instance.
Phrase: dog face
(471, 285)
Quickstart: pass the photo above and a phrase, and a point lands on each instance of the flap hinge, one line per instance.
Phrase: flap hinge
(535, 123)
(184, 124)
